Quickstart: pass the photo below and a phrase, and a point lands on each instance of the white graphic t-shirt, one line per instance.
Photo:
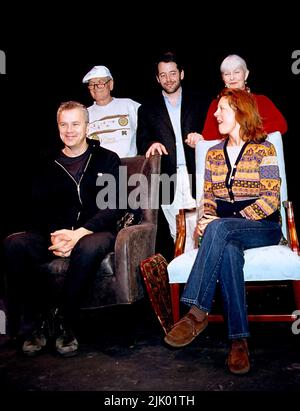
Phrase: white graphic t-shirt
(115, 125)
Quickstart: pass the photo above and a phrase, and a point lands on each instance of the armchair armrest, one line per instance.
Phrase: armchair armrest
(180, 232)
(133, 244)
(291, 227)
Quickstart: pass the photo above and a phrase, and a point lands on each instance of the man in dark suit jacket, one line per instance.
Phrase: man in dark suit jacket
(169, 123)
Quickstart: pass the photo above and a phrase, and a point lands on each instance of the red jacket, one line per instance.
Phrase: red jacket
(272, 118)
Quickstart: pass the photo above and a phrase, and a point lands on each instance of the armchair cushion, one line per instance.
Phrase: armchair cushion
(271, 263)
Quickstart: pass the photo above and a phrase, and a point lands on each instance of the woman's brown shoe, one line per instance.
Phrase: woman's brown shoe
(185, 331)
(238, 357)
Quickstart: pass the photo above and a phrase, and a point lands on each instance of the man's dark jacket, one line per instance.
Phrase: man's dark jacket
(59, 202)
(154, 125)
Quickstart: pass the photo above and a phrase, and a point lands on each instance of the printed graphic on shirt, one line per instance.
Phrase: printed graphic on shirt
(116, 125)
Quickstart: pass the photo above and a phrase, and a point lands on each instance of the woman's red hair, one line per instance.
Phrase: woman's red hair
(246, 114)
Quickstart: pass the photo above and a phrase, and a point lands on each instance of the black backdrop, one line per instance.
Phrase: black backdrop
(48, 53)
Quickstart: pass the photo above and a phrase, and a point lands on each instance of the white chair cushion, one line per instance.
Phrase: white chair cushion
(271, 263)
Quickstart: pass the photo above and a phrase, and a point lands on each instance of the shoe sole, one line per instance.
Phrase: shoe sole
(34, 353)
(178, 345)
(68, 354)
(240, 372)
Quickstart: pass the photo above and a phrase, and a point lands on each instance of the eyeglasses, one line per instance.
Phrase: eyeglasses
(92, 86)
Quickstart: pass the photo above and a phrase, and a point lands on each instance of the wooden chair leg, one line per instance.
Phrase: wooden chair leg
(296, 288)
(175, 290)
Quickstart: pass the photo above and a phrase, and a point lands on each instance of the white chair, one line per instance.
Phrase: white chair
(275, 263)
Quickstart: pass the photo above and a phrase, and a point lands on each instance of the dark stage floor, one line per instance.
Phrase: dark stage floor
(122, 349)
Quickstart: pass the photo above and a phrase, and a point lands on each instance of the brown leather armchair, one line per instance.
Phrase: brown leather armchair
(118, 280)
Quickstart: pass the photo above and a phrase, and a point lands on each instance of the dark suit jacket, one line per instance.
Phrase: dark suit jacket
(154, 125)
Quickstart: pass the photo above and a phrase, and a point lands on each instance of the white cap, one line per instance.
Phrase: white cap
(97, 71)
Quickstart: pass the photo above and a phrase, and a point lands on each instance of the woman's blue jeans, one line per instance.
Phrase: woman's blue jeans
(221, 258)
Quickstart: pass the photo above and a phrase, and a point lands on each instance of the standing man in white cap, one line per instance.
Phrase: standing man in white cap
(112, 120)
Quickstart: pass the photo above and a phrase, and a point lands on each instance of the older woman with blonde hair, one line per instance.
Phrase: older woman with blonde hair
(241, 201)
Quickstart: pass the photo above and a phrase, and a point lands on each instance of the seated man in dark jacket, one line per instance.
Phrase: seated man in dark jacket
(69, 219)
